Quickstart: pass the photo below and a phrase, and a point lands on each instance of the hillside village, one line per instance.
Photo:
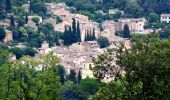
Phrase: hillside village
(78, 56)
(84, 49)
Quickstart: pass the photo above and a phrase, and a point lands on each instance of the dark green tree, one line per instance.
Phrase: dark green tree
(2, 10)
(8, 5)
(67, 37)
(126, 32)
(74, 31)
(103, 42)
(78, 32)
(2, 33)
(79, 77)
(26, 18)
(93, 35)
(72, 76)
(61, 72)
(153, 17)
(12, 21)
(91, 86)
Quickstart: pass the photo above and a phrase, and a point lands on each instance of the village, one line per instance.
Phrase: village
(79, 56)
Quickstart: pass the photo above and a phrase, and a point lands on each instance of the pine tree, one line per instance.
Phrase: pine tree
(74, 33)
(8, 5)
(67, 37)
(79, 76)
(126, 31)
(78, 32)
(26, 18)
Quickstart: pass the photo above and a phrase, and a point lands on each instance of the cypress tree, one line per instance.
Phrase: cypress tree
(72, 76)
(67, 37)
(12, 22)
(88, 36)
(26, 18)
(2, 33)
(94, 37)
(2, 10)
(85, 38)
(78, 32)
(91, 36)
(126, 31)
(79, 77)
(8, 5)
(74, 33)
(61, 72)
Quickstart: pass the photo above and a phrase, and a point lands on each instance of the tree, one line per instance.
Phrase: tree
(112, 91)
(2, 33)
(2, 11)
(36, 20)
(26, 18)
(93, 35)
(91, 86)
(153, 17)
(72, 91)
(78, 32)
(8, 5)
(74, 31)
(139, 81)
(79, 77)
(67, 37)
(126, 31)
(12, 21)
(72, 76)
(61, 72)
(103, 42)
(58, 20)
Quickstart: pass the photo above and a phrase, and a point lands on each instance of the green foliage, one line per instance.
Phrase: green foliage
(72, 76)
(25, 51)
(12, 21)
(112, 91)
(2, 33)
(91, 86)
(126, 32)
(36, 20)
(153, 17)
(146, 66)
(61, 72)
(103, 42)
(58, 20)
(23, 81)
(74, 31)
(8, 5)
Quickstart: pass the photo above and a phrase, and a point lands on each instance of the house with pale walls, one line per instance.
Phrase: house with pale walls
(135, 25)
(109, 26)
(44, 48)
(113, 11)
(87, 64)
(5, 23)
(165, 18)
(9, 36)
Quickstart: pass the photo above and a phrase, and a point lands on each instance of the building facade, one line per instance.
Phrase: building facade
(165, 18)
